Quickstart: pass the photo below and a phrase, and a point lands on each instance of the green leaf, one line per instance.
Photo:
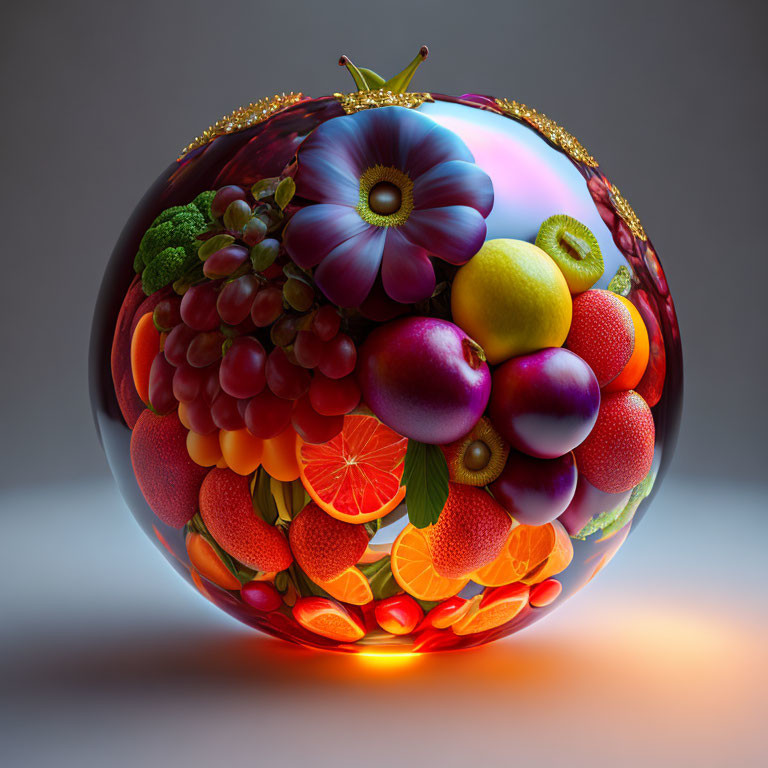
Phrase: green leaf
(263, 502)
(425, 477)
(381, 578)
(285, 191)
(264, 254)
(264, 188)
(373, 81)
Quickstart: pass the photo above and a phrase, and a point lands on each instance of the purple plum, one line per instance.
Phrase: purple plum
(546, 403)
(589, 502)
(536, 491)
(424, 378)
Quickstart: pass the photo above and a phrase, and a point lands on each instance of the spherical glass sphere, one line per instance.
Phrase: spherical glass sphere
(387, 370)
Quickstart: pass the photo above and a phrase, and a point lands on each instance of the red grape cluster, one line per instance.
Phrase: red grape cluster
(212, 363)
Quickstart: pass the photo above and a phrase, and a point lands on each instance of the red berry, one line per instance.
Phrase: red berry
(285, 379)
(398, 615)
(326, 322)
(199, 417)
(311, 426)
(545, 593)
(267, 306)
(340, 357)
(267, 415)
(242, 369)
(235, 299)
(187, 383)
(176, 344)
(161, 395)
(261, 595)
(308, 349)
(205, 349)
(198, 307)
(225, 413)
(333, 397)
(223, 198)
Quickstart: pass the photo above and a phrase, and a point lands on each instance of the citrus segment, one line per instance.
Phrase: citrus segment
(145, 344)
(633, 371)
(327, 618)
(527, 547)
(492, 609)
(355, 477)
(204, 558)
(558, 559)
(413, 570)
(350, 586)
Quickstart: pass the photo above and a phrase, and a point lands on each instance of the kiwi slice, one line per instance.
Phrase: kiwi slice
(574, 249)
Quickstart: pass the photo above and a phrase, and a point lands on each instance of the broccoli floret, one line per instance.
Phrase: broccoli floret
(172, 236)
(167, 266)
(203, 204)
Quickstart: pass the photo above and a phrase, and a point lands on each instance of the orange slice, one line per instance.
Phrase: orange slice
(349, 586)
(207, 562)
(633, 371)
(355, 477)
(558, 559)
(492, 609)
(526, 548)
(145, 344)
(413, 569)
(328, 618)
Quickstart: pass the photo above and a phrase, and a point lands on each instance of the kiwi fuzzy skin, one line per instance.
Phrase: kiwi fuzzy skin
(580, 273)
(455, 452)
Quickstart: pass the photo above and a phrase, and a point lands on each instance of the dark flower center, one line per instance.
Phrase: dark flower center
(385, 198)
(477, 456)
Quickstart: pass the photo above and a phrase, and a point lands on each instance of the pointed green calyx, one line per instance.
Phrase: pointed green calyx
(367, 80)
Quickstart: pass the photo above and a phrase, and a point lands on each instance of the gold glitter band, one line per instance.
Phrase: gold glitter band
(242, 118)
(624, 209)
(359, 100)
(548, 128)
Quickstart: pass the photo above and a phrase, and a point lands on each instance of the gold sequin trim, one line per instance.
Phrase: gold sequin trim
(243, 117)
(624, 209)
(359, 100)
(548, 128)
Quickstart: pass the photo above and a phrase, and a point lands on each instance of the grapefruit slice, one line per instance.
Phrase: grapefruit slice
(328, 618)
(350, 586)
(557, 560)
(492, 609)
(355, 477)
(412, 567)
(527, 547)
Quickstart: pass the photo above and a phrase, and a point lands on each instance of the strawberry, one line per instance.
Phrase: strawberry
(469, 533)
(168, 478)
(226, 507)
(323, 546)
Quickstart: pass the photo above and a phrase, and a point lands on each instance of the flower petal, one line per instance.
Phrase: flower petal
(347, 273)
(313, 232)
(454, 183)
(454, 233)
(406, 271)
(436, 145)
(331, 161)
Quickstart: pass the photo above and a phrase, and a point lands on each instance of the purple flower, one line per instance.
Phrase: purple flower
(391, 189)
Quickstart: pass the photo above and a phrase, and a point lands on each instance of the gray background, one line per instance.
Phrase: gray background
(114, 660)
